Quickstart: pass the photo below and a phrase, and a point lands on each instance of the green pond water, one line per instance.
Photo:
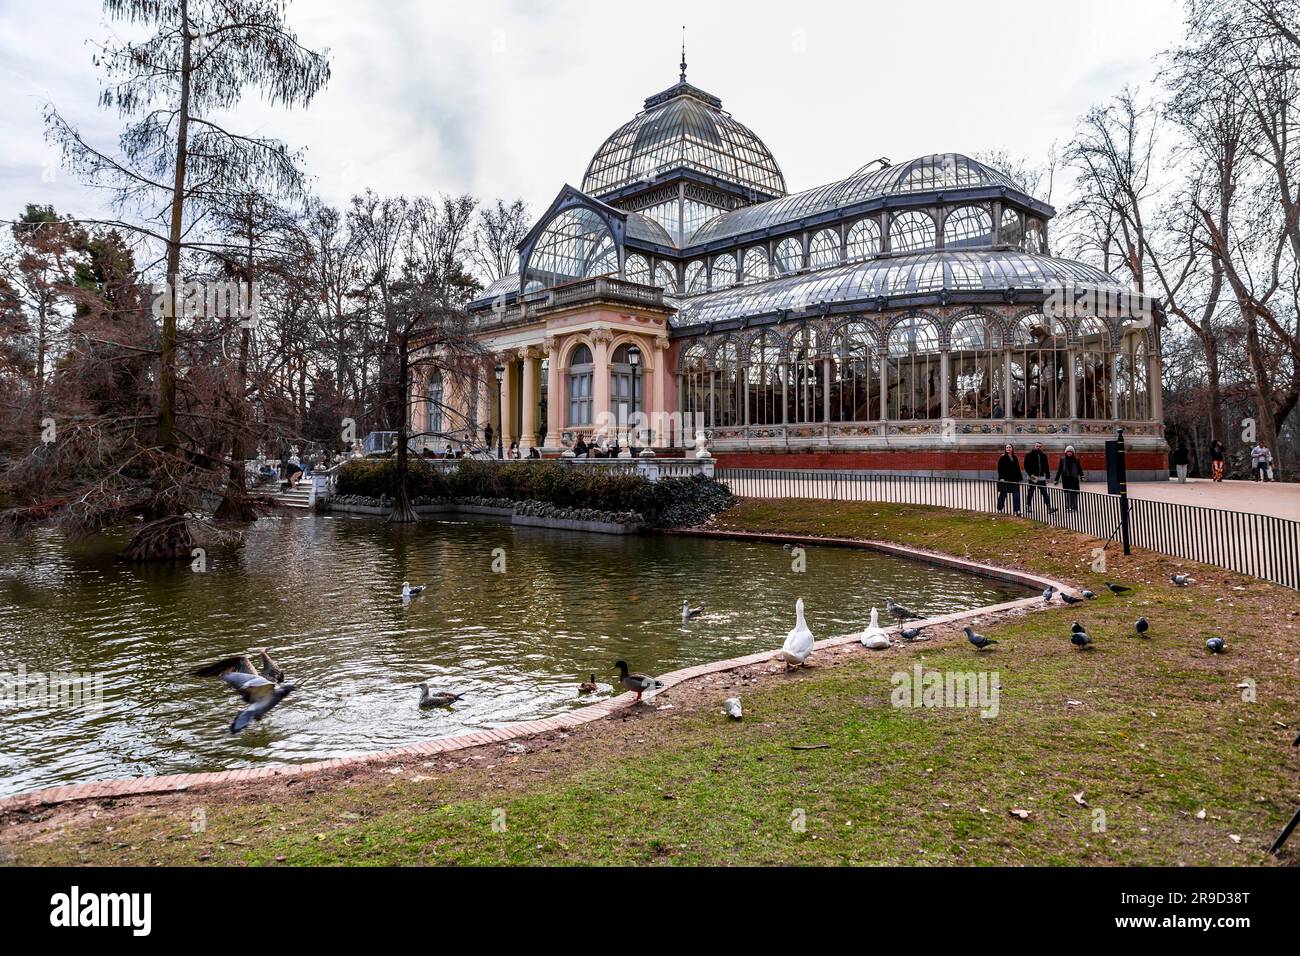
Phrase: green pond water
(324, 594)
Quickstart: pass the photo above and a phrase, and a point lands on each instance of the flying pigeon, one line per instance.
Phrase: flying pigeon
(259, 692)
(1142, 626)
(979, 640)
(640, 683)
(732, 706)
(1081, 640)
(1214, 645)
(1118, 588)
(440, 699)
(900, 612)
(1070, 598)
(1182, 580)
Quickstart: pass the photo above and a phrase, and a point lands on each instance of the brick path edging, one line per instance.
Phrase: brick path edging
(182, 782)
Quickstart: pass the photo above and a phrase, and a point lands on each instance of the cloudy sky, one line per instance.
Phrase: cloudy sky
(509, 99)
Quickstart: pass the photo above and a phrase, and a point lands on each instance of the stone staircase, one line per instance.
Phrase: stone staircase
(299, 497)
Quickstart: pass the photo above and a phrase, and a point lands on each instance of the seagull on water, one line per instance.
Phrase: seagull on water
(409, 592)
(637, 683)
(440, 699)
(979, 640)
(689, 612)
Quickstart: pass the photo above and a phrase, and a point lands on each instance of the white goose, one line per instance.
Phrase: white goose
(799, 642)
(874, 636)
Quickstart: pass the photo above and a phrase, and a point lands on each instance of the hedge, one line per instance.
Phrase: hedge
(668, 503)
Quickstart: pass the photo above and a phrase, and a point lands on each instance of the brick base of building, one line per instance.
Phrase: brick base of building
(1142, 466)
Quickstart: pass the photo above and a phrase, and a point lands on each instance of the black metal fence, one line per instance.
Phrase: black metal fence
(1262, 546)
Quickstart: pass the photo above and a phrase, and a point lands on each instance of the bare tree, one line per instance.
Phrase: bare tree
(497, 234)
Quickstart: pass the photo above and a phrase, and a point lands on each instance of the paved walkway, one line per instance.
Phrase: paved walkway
(1282, 500)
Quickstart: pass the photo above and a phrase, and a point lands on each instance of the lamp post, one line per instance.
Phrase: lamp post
(501, 410)
(634, 360)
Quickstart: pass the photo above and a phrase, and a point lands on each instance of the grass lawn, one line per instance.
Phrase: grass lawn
(1169, 763)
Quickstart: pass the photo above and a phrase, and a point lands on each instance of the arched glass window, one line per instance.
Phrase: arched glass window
(1034, 238)
(575, 244)
(913, 370)
(624, 386)
(824, 250)
(697, 279)
(911, 231)
(789, 256)
(855, 378)
(764, 379)
(581, 369)
(968, 226)
(1094, 371)
(805, 391)
(1131, 380)
(1039, 373)
(724, 272)
(433, 398)
(666, 278)
(637, 269)
(729, 386)
(1012, 231)
(976, 374)
(694, 370)
(756, 267)
(864, 240)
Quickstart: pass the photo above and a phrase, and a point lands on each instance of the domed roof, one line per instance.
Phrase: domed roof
(683, 127)
(934, 173)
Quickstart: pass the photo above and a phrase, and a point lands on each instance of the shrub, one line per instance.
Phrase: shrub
(669, 503)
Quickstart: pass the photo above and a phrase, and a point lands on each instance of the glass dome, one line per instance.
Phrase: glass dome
(683, 127)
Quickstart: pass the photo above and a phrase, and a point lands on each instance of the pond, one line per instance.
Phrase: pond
(323, 592)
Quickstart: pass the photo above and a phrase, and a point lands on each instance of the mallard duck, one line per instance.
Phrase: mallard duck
(874, 636)
(637, 683)
(587, 686)
(799, 642)
(440, 699)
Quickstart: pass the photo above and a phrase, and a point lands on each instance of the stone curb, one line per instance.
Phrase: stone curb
(182, 782)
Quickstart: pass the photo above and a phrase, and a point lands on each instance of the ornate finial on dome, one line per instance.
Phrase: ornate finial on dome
(683, 53)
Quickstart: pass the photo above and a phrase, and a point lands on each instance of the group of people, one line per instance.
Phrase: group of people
(610, 449)
(1261, 461)
(1037, 474)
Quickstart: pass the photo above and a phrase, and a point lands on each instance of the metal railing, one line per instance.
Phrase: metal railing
(1262, 546)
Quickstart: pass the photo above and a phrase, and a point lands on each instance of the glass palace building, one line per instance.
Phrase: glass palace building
(909, 317)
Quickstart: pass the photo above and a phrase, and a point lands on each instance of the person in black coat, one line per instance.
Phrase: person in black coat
(1181, 461)
(580, 449)
(1069, 472)
(1037, 473)
(1009, 479)
(1218, 454)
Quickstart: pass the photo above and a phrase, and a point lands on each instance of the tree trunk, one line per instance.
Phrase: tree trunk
(403, 512)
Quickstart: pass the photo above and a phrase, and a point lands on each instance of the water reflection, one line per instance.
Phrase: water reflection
(325, 594)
